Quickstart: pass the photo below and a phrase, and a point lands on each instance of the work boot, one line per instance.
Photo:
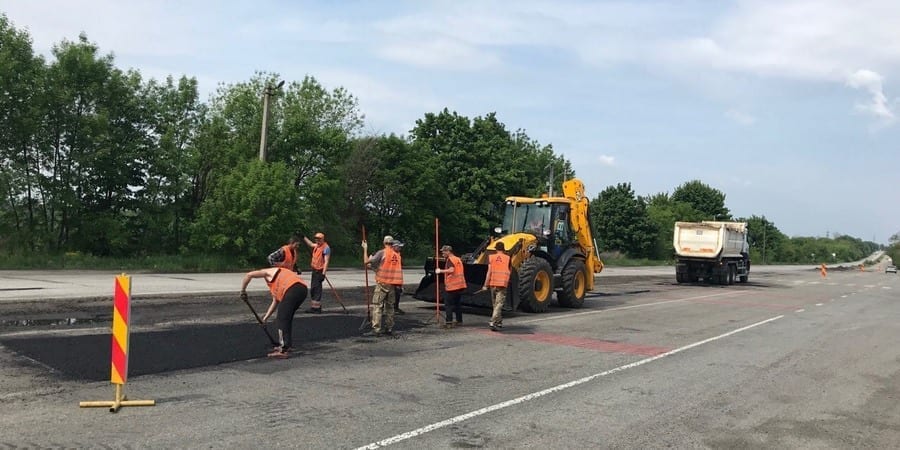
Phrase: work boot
(314, 310)
(399, 311)
(278, 353)
(492, 326)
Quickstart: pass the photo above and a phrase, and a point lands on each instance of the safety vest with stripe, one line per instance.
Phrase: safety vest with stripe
(499, 268)
(391, 269)
(318, 256)
(282, 281)
(290, 258)
(456, 280)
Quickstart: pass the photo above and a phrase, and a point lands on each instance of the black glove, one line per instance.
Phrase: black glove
(243, 296)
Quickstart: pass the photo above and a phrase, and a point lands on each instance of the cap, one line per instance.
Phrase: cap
(397, 244)
(388, 239)
(447, 248)
(320, 235)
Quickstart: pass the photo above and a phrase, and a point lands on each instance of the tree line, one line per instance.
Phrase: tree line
(99, 160)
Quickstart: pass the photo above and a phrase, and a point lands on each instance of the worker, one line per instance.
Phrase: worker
(398, 290)
(321, 256)
(388, 267)
(454, 285)
(497, 281)
(288, 293)
(286, 255)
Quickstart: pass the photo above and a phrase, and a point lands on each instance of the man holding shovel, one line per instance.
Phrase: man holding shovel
(288, 293)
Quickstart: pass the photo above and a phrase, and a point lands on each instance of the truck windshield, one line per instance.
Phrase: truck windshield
(527, 218)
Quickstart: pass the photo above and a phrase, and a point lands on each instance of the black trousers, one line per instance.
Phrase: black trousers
(315, 286)
(284, 315)
(453, 305)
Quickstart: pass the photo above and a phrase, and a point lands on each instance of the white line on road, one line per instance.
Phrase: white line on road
(800, 310)
(843, 296)
(818, 304)
(584, 313)
(534, 395)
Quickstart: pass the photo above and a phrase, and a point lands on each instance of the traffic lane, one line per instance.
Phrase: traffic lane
(351, 388)
(823, 377)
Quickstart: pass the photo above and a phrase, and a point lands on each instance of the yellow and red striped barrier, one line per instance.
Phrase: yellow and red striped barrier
(120, 334)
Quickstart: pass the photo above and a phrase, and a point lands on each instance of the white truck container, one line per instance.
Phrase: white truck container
(716, 252)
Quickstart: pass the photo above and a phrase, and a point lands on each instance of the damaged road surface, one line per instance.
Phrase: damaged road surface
(788, 360)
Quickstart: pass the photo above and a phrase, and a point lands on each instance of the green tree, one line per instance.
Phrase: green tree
(249, 213)
(481, 163)
(708, 201)
(21, 88)
(664, 212)
(622, 222)
(766, 241)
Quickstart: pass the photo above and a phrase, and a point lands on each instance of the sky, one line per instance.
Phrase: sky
(788, 107)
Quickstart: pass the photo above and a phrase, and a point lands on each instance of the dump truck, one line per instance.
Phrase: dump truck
(551, 248)
(715, 252)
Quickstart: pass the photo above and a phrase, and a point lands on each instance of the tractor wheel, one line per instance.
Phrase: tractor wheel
(574, 285)
(535, 284)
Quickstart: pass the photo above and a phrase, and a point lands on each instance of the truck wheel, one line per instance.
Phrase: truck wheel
(731, 273)
(574, 285)
(744, 278)
(535, 284)
(679, 277)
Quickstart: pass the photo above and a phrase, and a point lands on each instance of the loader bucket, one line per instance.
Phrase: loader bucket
(475, 274)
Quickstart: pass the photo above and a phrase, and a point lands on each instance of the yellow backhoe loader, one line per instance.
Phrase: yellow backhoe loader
(551, 248)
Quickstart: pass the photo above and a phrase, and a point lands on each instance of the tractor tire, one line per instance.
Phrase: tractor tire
(574, 285)
(535, 284)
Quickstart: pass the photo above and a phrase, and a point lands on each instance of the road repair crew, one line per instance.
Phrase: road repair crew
(286, 255)
(321, 255)
(388, 267)
(288, 293)
(497, 281)
(454, 284)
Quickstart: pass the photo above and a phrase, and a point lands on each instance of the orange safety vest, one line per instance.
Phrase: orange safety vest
(391, 269)
(282, 281)
(457, 280)
(318, 257)
(499, 268)
(290, 257)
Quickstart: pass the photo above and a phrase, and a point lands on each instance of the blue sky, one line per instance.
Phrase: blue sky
(788, 107)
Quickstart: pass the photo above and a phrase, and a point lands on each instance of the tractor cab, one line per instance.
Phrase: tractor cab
(547, 221)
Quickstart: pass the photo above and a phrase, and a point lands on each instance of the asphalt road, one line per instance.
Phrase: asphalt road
(789, 360)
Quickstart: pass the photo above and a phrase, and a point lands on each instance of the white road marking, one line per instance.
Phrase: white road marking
(800, 310)
(885, 287)
(558, 388)
(843, 296)
(818, 304)
(600, 311)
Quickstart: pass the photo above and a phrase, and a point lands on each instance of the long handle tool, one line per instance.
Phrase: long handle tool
(263, 324)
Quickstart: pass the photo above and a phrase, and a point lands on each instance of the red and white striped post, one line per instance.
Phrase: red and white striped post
(120, 334)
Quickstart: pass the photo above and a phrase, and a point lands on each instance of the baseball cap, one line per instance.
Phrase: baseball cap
(389, 239)
(397, 244)
(447, 248)
(320, 235)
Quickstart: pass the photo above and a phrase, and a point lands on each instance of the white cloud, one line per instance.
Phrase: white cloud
(740, 117)
(440, 53)
(871, 82)
(607, 160)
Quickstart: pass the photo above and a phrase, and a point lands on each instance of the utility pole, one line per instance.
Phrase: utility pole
(764, 239)
(267, 92)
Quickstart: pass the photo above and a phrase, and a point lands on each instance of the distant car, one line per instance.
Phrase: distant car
(890, 269)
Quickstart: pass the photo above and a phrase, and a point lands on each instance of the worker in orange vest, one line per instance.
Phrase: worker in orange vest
(286, 255)
(388, 266)
(454, 285)
(288, 293)
(321, 256)
(497, 281)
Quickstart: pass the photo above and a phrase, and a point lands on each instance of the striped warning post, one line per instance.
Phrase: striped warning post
(119, 371)
(121, 313)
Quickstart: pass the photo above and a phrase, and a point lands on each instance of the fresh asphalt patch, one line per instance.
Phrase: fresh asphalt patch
(87, 357)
